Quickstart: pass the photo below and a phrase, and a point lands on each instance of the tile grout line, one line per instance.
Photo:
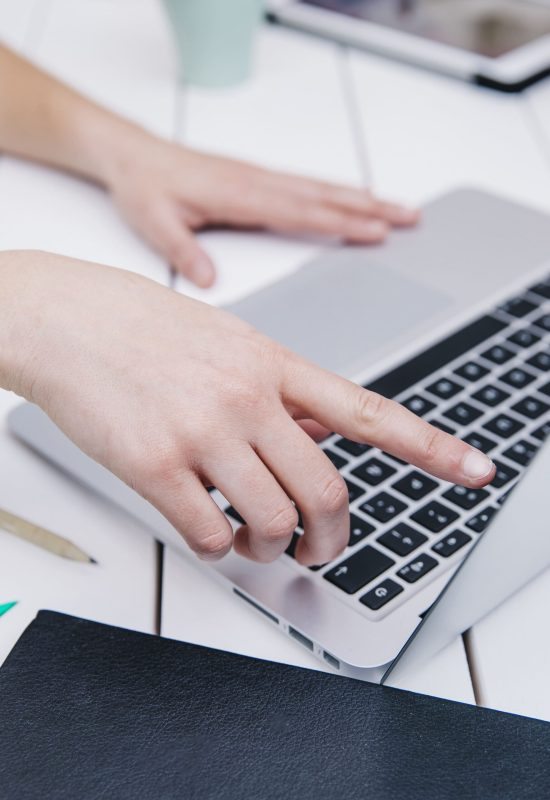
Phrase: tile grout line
(354, 117)
(160, 552)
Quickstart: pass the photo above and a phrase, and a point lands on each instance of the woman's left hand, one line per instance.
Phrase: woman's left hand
(166, 192)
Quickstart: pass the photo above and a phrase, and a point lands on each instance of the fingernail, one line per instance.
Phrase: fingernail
(203, 272)
(476, 465)
(406, 213)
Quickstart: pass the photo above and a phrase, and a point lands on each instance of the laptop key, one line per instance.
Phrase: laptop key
(491, 396)
(373, 471)
(463, 413)
(465, 498)
(540, 361)
(543, 322)
(434, 516)
(415, 485)
(504, 426)
(337, 460)
(393, 458)
(437, 423)
(518, 307)
(402, 539)
(444, 388)
(359, 569)
(521, 452)
(525, 337)
(352, 448)
(451, 543)
(480, 442)
(498, 354)
(383, 507)
(418, 405)
(542, 432)
(354, 491)
(518, 378)
(358, 529)
(381, 594)
(481, 520)
(542, 289)
(416, 569)
(471, 371)
(531, 407)
(503, 475)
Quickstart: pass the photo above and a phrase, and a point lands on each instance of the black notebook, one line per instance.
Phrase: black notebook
(91, 711)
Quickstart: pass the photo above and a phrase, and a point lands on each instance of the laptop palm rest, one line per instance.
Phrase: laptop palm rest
(339, 306)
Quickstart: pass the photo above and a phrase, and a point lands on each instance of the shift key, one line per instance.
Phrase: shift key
(359, 569)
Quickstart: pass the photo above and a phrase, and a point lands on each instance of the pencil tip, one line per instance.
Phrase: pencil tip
(93, 561)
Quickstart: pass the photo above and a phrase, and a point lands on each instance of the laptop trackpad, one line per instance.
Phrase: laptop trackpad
(340, 307)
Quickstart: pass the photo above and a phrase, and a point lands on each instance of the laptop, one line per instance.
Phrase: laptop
(453, 320)
(502, 44)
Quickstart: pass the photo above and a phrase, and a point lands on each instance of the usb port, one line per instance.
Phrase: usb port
(300, 638)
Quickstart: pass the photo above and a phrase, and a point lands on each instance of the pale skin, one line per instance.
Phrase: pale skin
(166, 191)
(171, 394)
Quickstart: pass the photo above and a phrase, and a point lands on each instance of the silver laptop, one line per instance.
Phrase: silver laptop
(453, 320)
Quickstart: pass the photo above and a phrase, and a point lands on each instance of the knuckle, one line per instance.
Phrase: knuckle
(163, 466)
(212, 545)
(333, 495)
(371, 407)
(282, 524)
(430, 446)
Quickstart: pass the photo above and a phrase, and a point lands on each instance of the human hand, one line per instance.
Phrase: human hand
(173, 396)
(166, 192)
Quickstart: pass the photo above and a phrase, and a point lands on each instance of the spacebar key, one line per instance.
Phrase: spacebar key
(358, 570)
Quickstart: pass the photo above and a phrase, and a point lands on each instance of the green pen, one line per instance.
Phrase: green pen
(5, 607)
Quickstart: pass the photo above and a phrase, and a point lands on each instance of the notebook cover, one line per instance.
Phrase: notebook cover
(91, 711)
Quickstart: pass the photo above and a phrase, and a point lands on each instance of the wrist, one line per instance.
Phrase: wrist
(111, 146)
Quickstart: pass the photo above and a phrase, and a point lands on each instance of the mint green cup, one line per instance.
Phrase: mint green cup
(215, 39)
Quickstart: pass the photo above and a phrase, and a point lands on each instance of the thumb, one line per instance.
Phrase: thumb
(180, 247)
(189, 259)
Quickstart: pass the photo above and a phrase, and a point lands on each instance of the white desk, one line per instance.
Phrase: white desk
(312, 107)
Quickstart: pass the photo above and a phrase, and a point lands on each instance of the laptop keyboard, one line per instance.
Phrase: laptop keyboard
(489, 384)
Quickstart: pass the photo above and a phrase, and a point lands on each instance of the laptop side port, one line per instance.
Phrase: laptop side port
(257, 606)
(331, 660)
(300, 638)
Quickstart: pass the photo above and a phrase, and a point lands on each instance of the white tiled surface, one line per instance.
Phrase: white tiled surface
(311, 107)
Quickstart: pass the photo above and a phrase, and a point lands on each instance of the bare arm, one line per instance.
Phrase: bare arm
(45, 120)
(166, 191)
(173, 395)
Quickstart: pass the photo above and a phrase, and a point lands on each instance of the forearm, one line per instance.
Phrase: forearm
(13, 280)
(44, 120)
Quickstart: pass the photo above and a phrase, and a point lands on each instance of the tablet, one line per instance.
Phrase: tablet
(504, 44)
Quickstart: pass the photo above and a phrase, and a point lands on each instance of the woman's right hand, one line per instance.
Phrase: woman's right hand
(173, 396)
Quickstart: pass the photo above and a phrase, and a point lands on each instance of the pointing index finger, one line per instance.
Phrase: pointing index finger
(365, 416)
